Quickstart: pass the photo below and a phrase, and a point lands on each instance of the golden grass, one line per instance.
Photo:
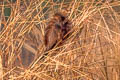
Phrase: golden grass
(91, 52)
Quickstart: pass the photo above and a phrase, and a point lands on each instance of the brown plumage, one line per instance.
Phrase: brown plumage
(57, 28)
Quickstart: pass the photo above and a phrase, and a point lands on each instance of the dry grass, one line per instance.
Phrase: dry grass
(91, 52)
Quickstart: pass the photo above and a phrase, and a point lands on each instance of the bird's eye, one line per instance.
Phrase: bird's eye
(57, 26)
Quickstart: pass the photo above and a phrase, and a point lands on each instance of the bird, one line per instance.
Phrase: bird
(57, 28)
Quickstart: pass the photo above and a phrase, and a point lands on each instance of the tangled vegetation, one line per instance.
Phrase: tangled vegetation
(91, 52)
